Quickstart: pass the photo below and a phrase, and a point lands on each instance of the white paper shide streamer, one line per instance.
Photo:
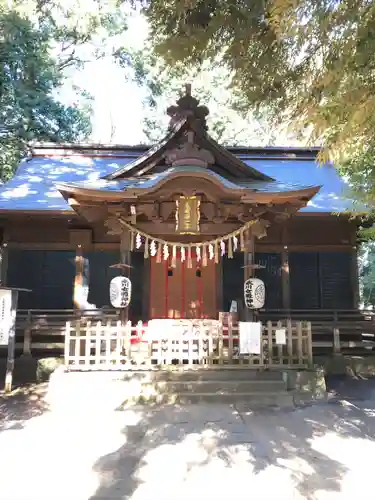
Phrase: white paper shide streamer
(164, 250)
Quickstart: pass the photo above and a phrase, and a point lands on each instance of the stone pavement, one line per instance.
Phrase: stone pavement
(322, 452)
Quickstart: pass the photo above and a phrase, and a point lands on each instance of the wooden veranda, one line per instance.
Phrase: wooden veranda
(42, 332)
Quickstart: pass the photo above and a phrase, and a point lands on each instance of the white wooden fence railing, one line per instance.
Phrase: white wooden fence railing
(349, 332)
(184, 344)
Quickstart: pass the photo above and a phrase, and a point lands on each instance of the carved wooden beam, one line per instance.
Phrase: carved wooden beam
(92, 214)
(166, 209)
(208, 210)
(113, 226)
(259, 229)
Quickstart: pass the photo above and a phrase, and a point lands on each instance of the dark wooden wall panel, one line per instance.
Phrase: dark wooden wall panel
(335, 278)
(49, 274)
(321, 280)
(100, 276)
(233, 279)
(304, 280)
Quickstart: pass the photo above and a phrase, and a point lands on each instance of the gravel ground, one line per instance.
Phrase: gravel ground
(322, 452)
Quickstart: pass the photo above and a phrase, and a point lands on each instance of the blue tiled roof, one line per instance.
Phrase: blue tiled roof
(34, 185)
(149, 181)
(332, 196)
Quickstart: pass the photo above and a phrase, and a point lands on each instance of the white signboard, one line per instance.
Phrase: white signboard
(250, 337)
(233, 306)
(280, 336)
(5, 315)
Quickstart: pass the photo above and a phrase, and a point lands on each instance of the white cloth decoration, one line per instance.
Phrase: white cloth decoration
(211, 252)
(235, 243)
(165, 252)
(153, 249)
(138, 241)
(198, 253)
(222, 247)
(183, 254)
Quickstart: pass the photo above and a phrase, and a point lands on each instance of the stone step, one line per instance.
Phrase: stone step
(201, 375)
(245, 400)
(216, 386)
(100, 390)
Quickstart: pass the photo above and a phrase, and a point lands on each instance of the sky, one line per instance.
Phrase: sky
(118, 109)
(117, 101)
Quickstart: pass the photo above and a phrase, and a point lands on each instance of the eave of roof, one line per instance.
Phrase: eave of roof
(32, 189)
(124, 150)
(131, 189)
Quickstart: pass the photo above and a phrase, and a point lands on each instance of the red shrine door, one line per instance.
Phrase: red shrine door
(182, 292)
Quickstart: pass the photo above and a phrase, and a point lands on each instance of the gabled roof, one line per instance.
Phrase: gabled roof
(226, 164)
(113, 172)
(188, 117)
(33, 187)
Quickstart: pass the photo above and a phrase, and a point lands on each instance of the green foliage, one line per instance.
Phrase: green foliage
(307, 63)
(163, 86)
(39, 42)
(28, 108)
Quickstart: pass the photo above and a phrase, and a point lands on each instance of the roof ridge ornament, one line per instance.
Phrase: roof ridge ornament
(189, 153)
(187, 106)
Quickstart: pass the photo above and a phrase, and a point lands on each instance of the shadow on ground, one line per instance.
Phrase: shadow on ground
(21, 405)
(27, 397)
(179, 452)
(351, 388)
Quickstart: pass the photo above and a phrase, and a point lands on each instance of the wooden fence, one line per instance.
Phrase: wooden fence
(186, 344)
(41, 332)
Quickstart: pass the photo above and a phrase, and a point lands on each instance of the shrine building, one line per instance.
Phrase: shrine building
(187, 219)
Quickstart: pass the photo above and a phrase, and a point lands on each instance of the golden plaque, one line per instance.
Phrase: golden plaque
(187, 215)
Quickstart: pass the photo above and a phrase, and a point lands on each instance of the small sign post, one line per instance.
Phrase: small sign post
(8, 311)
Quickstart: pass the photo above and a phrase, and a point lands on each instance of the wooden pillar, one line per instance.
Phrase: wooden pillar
(248, 269)
(354, 272)
(354, 276)
(11, 345)
(81, 239)
(125, 258)
(285, 272)
(78, 279)
(4, 258)
(219, 286)
(146, 290)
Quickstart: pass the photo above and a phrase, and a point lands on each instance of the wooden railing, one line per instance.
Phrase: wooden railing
(347, 331)
(185, 344)
(338, 331)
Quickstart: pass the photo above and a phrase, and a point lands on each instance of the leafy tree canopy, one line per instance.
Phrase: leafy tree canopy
(162, 87)
(39, 41)
(309, 63)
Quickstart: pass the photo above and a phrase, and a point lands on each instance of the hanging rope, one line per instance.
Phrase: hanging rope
(163, 242)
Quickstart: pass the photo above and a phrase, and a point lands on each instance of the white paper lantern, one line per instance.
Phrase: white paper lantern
(254, 293)
(120, 291)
